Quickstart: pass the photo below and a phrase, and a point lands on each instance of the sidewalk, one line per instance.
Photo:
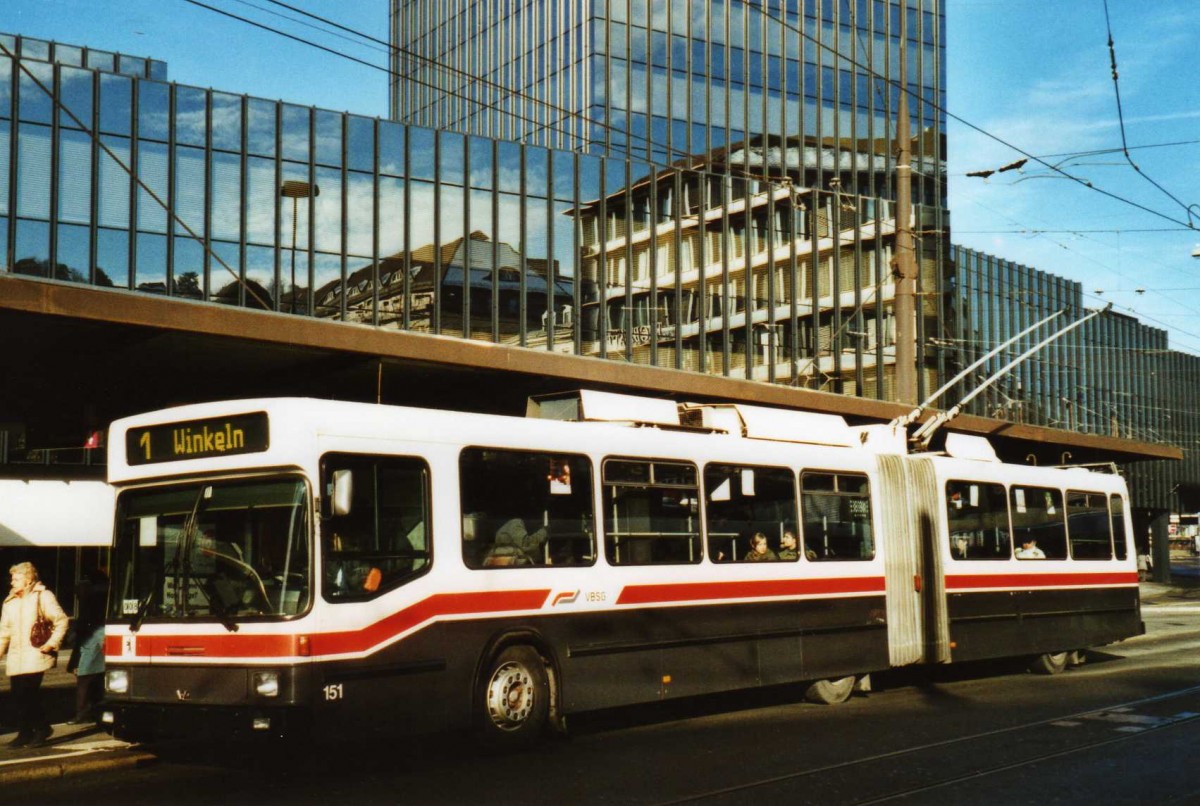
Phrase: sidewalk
(73, 749)
(1181, 590)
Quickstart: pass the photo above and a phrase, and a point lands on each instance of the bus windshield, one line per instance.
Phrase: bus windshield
(212, 550)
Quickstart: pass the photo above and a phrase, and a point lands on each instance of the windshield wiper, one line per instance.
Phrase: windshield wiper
(183, 558)
(144, 607)
(219, 611)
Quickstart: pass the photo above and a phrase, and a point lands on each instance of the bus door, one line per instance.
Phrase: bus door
(918, 630)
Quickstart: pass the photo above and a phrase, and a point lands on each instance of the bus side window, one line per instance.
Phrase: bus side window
(1117, 513)
(742, 501)
(836, 510)
(383, 541)
(652, 511)
(1089, 527)
(525, 508)
(1038, 522)
(977, 521)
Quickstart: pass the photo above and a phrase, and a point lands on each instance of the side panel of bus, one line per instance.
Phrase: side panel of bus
(999, 605)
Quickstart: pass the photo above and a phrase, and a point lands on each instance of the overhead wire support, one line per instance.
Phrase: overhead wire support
(922, 436)
(1112, 58)
(911, 417)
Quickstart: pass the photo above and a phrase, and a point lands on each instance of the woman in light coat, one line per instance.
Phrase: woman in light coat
(27, 663)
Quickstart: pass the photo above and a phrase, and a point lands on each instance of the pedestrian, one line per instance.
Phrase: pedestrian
(29, 612)
(87, 661)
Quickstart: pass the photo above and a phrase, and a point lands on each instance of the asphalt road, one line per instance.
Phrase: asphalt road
(1123, 728)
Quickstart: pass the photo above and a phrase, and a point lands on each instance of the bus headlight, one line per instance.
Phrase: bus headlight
(266, 684)
(116, 681)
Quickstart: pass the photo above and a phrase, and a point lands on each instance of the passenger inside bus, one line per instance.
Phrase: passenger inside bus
(1029, 551)
(516, 545)
(759, 551)
(787, 546)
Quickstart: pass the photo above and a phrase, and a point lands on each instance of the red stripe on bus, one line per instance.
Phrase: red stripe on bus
(237, 645)
(1051, 580)
(746, 589)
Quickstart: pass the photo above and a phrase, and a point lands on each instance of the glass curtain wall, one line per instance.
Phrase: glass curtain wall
(166, 189)
(800, 93)
(1098, 379)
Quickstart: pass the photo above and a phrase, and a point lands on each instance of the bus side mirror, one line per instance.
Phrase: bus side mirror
(343, 492)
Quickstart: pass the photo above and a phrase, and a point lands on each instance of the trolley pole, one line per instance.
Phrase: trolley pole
(904, 261)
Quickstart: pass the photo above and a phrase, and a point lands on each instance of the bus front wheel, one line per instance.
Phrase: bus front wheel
(515, 698)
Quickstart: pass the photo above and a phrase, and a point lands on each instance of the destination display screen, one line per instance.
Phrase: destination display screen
(198, 439)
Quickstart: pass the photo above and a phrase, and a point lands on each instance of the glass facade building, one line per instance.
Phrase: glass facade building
(782, 95)
(131, 182)
(1114, 376)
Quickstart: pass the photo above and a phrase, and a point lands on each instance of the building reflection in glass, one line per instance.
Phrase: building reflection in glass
(723, 263)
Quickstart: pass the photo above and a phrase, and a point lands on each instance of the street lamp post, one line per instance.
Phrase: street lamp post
(296, 190)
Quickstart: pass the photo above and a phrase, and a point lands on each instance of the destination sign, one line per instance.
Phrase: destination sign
(198, 439)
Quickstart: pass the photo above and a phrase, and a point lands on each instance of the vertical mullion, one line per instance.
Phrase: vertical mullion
(770, 274)
(243, 188)
(56, 90)
(522, 257)
(135, 167)
(726, 255)
(857, 316)
(677, 249)
(375, 214)
(814, 282)
(652, 258)
(602, 285)
(406, 237)
(207, 262)
(94, 150)
(551, 248)
(171, 210)
(495, 191)
(835, 286)
(627, 203)
(310, 291)
(436, 312)
(576, 275)
(468, 244)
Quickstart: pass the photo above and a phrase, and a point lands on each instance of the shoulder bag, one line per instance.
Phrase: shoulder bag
(42, 627)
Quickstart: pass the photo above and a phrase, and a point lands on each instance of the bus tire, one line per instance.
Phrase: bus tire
(1049, 663)
(830, 692)
(514, 699)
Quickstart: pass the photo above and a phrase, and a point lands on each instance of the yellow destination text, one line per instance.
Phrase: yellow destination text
(187, 441)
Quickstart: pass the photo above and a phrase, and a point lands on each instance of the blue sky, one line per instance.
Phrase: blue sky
(1035, 73)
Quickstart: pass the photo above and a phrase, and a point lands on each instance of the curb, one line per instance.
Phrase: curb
(44, 769)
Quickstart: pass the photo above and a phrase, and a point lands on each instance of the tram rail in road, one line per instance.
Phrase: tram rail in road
(901, 774)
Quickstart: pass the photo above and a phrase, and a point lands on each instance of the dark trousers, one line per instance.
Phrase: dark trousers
(27, 694)
(88, 688)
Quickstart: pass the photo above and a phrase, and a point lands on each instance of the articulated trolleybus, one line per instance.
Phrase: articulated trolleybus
(290, 565)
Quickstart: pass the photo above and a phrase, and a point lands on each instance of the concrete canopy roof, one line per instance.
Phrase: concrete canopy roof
(81, 356)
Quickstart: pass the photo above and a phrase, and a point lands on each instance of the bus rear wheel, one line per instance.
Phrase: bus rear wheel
(515, 699)
(1049, 663)
(830, 692)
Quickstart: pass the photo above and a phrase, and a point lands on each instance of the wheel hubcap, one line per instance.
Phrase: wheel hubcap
(510, 695)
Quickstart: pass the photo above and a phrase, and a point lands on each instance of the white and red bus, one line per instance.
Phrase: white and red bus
(286, 565)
